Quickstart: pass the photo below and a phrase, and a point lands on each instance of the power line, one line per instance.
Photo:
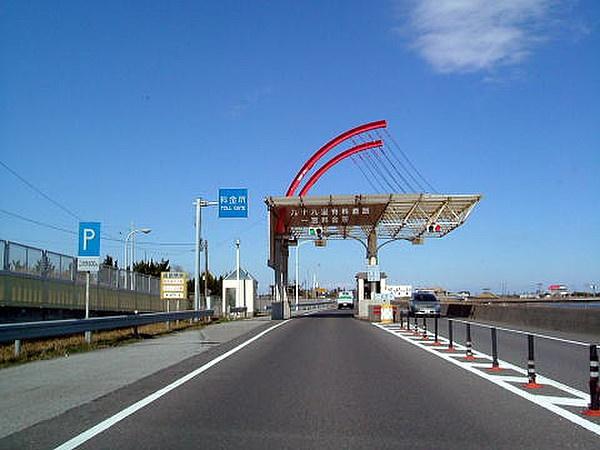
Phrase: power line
(37, 222)
(73, 233)
(39, 191)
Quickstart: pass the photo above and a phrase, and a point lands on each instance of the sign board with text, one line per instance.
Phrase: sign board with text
(233, 203)
(173, 285)
(373, 273)
(88, 255)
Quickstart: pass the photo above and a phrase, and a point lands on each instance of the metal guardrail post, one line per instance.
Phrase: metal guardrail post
(531, 384)
(450, 337)
(469, 344)
(594, 406)
(435, 331)
(495, 364)
(17, 347)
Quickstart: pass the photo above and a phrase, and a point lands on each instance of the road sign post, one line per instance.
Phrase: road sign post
(88, 260)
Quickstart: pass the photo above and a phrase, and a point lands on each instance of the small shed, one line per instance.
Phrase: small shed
(242, 293)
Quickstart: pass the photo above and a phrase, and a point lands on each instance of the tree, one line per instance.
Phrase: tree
(215, 285)
(110, 262)
(151, 267)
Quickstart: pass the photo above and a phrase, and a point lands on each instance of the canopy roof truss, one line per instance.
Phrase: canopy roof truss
(392, 216)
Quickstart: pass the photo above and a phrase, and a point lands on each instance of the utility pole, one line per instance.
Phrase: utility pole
(198, 204)
(206, 298)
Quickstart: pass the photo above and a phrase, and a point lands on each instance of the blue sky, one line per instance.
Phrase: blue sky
(126, 111)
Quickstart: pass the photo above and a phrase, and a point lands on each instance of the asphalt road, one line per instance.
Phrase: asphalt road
(321, 381)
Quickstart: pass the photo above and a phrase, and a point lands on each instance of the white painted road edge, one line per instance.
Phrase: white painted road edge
(116, 418)
(552, 404)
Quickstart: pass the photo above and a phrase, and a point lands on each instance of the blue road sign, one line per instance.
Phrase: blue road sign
(89, 239)
(233, 202)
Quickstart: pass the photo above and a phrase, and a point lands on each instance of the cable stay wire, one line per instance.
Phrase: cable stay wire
(364, 174)
(391, 138)
(372, 172)
(357, 140)
(375, 159)
(381, 175)
(398, 171)
(402, 177)
(39, 191)
(387, 170)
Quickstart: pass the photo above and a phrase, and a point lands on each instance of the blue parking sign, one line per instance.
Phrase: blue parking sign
(89, 239)
(233, 203)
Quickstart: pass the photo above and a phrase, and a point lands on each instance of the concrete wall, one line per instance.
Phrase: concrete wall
(23, 291)
(577, 320)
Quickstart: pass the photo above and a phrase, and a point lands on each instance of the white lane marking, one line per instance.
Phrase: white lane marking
(112, 420)
(544, 401)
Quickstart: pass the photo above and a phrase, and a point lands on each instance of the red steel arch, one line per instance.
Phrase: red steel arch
(336, 159)
(309, 164)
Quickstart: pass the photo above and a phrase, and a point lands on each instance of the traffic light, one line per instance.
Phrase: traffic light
(316, 232)
(434, 228)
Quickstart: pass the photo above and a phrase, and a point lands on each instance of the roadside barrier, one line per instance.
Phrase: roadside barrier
(531, 384)
(469, 344)
(450, 348)
(17, 332)
(594, 406)
(436, 341)
(495, 364)
(594, 384)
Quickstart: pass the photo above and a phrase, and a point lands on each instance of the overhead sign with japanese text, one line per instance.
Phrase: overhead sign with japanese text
(233, 203)
(88, 255)
(311, 216)
(173, 285)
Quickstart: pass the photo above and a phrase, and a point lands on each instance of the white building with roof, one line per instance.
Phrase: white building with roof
(240, 294)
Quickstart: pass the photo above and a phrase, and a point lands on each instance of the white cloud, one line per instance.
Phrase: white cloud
(477, 35)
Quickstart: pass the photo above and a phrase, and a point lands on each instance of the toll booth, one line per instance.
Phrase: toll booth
(365, 291)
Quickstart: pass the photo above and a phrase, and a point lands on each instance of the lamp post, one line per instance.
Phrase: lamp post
(131, 236)
(237, 270)
(298, 270)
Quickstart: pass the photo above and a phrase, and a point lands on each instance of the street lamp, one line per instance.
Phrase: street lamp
(300, 243)
(131, 236)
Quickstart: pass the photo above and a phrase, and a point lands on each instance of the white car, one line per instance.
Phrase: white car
(345, 300)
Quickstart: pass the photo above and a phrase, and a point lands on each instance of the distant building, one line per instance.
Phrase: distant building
(558, 289)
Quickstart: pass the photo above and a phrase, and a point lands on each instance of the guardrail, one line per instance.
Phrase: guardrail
(314, 304)
(17, 332)
(593, 408)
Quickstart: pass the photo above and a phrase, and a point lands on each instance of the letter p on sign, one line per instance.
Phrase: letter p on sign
(89, 239)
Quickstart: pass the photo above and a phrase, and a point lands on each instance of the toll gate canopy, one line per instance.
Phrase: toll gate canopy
(411, 217)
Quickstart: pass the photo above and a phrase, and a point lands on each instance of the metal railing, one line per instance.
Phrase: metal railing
(451, 345)
(23, 259)
(17, 332)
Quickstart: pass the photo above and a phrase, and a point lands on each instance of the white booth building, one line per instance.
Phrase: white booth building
(240, 294)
